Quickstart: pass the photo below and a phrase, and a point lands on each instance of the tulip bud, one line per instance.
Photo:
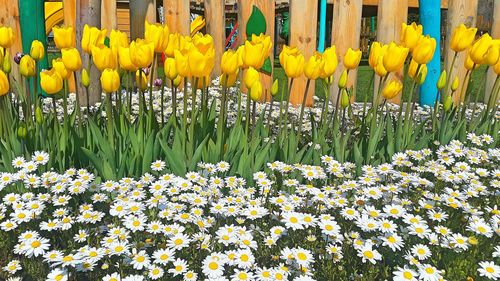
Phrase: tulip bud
(177, 80)
(157, 82)
(329, 80)
(343, 79)
(37, 51)
(256, 91)
(455, 84)
(22, 131)
(344, 99)
(448, 102)
(442, 80)
(275, 87)
(85, 78)
(17, 57)
(39, 115)
(251, 75)
(27, 66)
(6, 66)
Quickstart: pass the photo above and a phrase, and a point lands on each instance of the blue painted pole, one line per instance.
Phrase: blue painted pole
(322, 26)
(430, 17)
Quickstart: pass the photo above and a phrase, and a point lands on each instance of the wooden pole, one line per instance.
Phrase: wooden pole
(459, 11)
(215, 23)
(346, 33)
(141, 10)
(495, 33)
(390, 16)
(177, 16)
(9, 16)
(244, 11)
(108, 15)
(87, 12)
(69, 11)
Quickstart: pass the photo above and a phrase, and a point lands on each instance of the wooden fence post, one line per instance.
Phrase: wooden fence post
(495, 33)
(391, 14)
(345, 34)
(9, 16)
(459, 11)
(87, 12)
(177, 16)
(108, 15)
(141, 10)
(244, 11)
(69, 12)
(303, 25)
(215, 22)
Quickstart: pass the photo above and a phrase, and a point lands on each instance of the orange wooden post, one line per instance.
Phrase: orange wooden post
(459, 11)
(108, 15)
(9, 16)
(177, 16)
(345, 34)
(303, 28)
(215, 23)
(390, 16)
(267, 8)
(495, 33)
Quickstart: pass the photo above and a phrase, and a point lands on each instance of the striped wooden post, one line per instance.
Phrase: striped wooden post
(108, 15)
(215, 23)
(495, 33)
(9, 16)
(391, 14)
(244, 11)
(177, 16)
(459, 11)
(87, 12)
(303, 25)
(346, 33)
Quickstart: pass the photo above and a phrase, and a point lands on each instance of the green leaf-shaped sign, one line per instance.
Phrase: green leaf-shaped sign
(256, 23)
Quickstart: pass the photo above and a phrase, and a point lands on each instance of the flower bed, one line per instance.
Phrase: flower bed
(426, 215)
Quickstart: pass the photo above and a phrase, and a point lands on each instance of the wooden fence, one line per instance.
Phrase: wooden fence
(345, 30)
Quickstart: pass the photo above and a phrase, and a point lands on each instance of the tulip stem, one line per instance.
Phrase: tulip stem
(302, 108)
(109, 116)
(269, 115)
(447, 85)
(222, 120)
(185, 97)
(288, 102)
(151, 79)
(247, 118)
(174, 102)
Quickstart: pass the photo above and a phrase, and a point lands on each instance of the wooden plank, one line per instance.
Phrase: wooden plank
(123, 20)
(346, 31)
(411, 3)
(141, 10)
(215, 24)
(244, 11)
(9, 16)
(459, 11)
(177, 16)
(108, 15)
(495, 33)
(390, 15)
(69, 10)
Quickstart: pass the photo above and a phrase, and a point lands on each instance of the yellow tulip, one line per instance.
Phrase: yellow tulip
(173, 44)
(6, 37)
(412, 70)
(196, 25)
(201, 55)
(480, 48)
(256, 91)
(141, 80)
(455, 84)
(496, 68)
(92, 36)
(27, 66)
(441, 83)
(256, 51)
(4, 84)
(330, 62)
(177, 81)
(344, 98)
(251, 75)
(379, 67)
(59, 66)
(118, 39)
(229, 80)
(292, 61)
(51, 81)
(410, 34)
(492, 55)
(103, 57)
(469, 64)
(85, 78)
(314, 65)
(392, 89)
(275, 87)
(377, 50)
(71, 59)
(37, 50)
(124, 59)
(352, 58)
(462, 38)
(424, 50)
(170, 68)
(182, 63)
(64, 37)
(395, 57)
(142, 53)
(230, 62)
(6, 65)
(343, 79)
(158, 34)
(110, 80)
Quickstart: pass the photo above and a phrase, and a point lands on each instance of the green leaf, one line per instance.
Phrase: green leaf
(267, 67)
(256, 23)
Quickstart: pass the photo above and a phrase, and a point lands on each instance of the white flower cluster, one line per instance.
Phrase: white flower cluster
(406, 220)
